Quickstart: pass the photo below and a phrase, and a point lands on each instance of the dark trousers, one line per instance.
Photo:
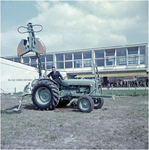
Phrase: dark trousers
(58, 81)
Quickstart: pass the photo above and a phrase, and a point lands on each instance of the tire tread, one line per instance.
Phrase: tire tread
(54, 92)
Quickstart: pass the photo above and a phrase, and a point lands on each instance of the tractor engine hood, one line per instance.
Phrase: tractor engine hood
(83, 82)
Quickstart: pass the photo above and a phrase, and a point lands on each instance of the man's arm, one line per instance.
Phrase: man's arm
(49, 75)
(60, 75)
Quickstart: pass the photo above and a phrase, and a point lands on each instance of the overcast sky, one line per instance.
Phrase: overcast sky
(75, 25)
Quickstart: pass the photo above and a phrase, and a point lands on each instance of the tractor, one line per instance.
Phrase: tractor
(46, 94)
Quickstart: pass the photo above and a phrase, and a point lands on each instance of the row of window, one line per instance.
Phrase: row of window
(120, 52)
(60, 57)
(77, 64)
(120, 61)
(78, 55)
(69, 64)
(99, 62)
(88, 55)
(34, 59)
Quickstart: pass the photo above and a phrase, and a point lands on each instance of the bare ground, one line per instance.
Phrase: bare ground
(122, 124)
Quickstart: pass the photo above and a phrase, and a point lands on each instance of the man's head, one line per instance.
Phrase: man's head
(53, 69)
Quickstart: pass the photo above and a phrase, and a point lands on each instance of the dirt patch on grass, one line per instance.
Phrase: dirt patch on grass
(117, 125)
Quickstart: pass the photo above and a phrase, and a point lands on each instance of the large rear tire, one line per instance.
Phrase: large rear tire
(85, 104)
(45, 95)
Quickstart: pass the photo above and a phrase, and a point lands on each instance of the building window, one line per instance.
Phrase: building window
(133, 60)
(10, 59)
(43, 65)
(142, 50)
(99, 62)
(17, 59)
(121, 52)
(34, 65)
(142, 59)
(33, 60)
(25, 60)
(132, 50)
(77, 55)
(42, 58)
(78, 64)
(49, 65)
(59, 57)
(68, 56)
(99, 54)
(87, 55)
(110, 61)
(121, 61)
(49, 58)
(60, 65)
(110, 52)
(68, 64)
(87, 63)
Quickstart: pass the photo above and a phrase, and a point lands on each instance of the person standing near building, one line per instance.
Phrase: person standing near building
(108, 83)
(55, 76)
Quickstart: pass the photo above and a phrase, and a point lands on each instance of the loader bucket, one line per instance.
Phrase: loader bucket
(39, 46)
(22, 48)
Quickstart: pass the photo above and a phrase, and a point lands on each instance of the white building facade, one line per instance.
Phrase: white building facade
(14, 76)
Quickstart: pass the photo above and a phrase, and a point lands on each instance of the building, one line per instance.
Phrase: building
(15, 76)
(115, 61)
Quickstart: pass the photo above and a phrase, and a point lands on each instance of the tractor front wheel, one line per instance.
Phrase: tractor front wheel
(98, 103)
(85, 104)
(45, 95)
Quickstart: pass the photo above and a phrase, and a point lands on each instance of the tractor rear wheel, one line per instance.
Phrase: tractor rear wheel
(98, 103)
(45, 95)
(85, 104)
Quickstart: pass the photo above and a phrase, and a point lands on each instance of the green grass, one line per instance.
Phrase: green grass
(126, 92)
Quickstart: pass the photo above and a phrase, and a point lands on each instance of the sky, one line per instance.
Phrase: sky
(73, 25)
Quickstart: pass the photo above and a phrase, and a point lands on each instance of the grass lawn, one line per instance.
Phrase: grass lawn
(129, 92)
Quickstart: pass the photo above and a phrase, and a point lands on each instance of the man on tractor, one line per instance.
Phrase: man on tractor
(55, 76)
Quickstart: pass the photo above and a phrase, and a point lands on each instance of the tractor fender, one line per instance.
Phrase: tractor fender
(35, 81)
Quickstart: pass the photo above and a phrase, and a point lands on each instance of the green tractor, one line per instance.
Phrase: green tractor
(47, 95)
